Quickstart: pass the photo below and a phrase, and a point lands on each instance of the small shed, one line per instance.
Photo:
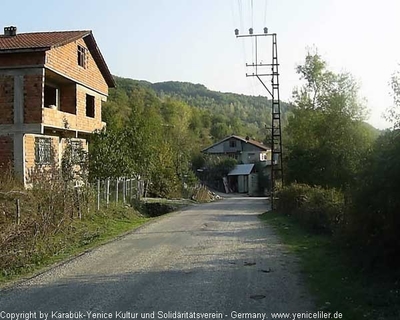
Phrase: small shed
(242, 179)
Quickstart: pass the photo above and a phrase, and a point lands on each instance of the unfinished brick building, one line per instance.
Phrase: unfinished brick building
(52, 85)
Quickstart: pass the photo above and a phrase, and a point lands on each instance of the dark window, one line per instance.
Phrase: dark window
(232, 144)
(50, 96)
(90, 106)
(43, 150)
(82, 56)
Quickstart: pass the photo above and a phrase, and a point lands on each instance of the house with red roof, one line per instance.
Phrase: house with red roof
(52, 87)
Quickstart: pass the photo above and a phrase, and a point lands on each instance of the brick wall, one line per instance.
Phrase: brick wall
(22, 59)
(6, 99)
(29, 142)
(88, 123)
(68, 99)
(33, 97)
(64, 59)
(6, 152)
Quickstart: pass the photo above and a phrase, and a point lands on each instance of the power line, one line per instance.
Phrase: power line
(265, 13)
(240, 14)
(259, 70)
(252, 14)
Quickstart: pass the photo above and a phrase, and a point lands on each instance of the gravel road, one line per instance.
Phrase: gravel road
(216, 258)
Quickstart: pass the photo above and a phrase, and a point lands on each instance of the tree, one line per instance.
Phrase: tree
(392, 113)
(219, 130)
(108, 155)
(326, 138)
(375, 220)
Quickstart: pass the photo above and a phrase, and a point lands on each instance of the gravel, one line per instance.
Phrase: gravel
(216, 258)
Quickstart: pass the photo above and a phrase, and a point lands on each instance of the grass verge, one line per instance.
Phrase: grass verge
(337, 282)
(78, 237)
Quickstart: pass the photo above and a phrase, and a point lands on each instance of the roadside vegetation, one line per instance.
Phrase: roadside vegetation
(54, 218)
(340, 207)
(334, 275)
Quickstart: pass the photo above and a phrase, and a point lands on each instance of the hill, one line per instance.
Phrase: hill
(228, 112)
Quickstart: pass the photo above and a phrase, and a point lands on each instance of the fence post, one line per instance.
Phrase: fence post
(131, 188)
(123, 189)
(105, 190)
(116, 191)
(108, 191)
(98, 195)
(78, 201)
(18, 216)
(127, 190)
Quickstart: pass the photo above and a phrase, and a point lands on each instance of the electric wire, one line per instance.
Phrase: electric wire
(252, 46)
(252, 14)
(244, 54)
(240, 15)
(233, 14)
(265, 13)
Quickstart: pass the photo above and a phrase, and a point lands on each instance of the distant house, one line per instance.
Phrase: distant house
(244, 150)
(52, 86)
(243, 178)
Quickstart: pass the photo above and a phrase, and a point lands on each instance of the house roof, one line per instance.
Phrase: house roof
(242, 170)
(43, 41)
(250, 141)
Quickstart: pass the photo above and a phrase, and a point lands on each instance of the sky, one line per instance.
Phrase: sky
(194, 41)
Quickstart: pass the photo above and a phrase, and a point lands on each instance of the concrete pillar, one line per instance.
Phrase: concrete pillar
(19, 150)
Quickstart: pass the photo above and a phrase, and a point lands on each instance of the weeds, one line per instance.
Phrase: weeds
(57, 216)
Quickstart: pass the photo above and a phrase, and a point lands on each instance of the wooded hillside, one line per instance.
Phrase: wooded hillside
(222, 113)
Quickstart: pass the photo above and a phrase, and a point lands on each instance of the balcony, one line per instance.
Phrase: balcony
(65, 108)
(57, 119)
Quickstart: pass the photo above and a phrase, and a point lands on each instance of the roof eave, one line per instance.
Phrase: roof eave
(24, 50)
(101, 61)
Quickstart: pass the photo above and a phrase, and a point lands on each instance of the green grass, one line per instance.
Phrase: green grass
(80, 236)
(337, 282)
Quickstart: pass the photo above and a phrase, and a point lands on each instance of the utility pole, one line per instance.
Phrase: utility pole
(260, 70)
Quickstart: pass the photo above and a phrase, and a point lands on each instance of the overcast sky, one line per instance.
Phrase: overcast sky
(193, 40)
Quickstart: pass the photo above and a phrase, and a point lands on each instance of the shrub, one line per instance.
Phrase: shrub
(374, 222)
(155, 209)
(319, 209)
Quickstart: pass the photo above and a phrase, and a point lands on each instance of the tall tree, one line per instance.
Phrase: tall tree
(326, 138)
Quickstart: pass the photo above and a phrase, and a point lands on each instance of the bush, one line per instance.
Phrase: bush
(155, 209)
(320, 210)
(374, 222)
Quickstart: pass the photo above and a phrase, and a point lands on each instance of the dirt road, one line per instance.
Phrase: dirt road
(216, 258)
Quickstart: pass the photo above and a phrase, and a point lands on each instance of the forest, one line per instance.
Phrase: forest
(222, 113)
